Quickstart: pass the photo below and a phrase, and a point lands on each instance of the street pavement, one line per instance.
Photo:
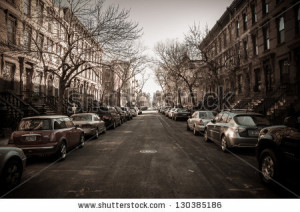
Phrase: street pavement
(150, 156)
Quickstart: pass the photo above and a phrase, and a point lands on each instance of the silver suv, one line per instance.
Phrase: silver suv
(235, 128)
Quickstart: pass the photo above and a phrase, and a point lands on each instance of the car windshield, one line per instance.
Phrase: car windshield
(182, 110)
(34, 124)
(251, 120)
(82, 118)
(207, 115)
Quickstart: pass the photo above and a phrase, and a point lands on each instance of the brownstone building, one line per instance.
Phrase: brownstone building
(25, 28)
(257, 46)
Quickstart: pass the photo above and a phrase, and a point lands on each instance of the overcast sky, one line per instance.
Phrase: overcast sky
(170, 19)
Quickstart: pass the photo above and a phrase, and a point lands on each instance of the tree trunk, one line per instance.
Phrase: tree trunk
(61, 93)
(192, 96)
(179, 98)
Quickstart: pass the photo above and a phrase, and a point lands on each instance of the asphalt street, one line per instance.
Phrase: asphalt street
(148, 157)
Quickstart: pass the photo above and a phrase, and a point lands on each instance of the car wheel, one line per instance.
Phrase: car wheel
(224, 145)
(268, 166)
(12, 173)
(62, 152)
(96, 133)
(195, 131)
(206, 139)
(82, 141)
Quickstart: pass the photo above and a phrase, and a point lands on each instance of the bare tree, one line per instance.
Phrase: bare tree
(174, 58)
(81, 32)
(214, 61)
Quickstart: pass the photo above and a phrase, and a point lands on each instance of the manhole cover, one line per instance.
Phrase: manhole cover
(149, 151)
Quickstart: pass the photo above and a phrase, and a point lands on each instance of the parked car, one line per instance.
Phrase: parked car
(110, 116)
(127, 112)
(133, 112)
(47, 135)
(140, 112)
(235, 128)
(199, 120)
(171, 112)
(91, 123)
(181, 113)
(278, 151)
(165, 110)
(136, 109)
(12, 164)
(122, 114)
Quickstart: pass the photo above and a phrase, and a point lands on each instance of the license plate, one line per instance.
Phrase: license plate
(253, 132)
(30, 138)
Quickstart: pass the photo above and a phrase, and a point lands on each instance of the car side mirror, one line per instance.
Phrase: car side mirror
(213, 121)
(76, 126)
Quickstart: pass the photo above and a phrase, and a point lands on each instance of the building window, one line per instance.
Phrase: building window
(266, 35)
(245, 49)
(255, 46)
(245, 21)
(230, 32)
(224, 40)
(265, 7)
(281, 36)
(27, 7)
(40, 10)
(50, 27)
(27, 38)
(254, 14)
(50, 48)
(40, 41)
(257, 78)
(298, 20)
(8, 74)
(284, 72)
(11, 29)
(237, 24)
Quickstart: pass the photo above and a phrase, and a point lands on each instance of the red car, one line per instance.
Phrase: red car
(47, 135)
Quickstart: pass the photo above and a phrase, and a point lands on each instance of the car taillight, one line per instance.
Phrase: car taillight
(242, 131)
(105, 117)
(200, 122)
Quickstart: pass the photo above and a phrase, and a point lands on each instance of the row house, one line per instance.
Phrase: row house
(116, 84)
(33, 39)
(255, 47)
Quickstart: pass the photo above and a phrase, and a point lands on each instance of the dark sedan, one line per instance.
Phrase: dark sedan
(278, 151)
(110, 116)
(181, 113)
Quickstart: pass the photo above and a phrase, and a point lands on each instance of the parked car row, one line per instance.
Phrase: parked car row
(54, 136)
(175, 113)
(277, 147)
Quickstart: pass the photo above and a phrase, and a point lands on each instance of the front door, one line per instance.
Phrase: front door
(28, 80)
(268, 78)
